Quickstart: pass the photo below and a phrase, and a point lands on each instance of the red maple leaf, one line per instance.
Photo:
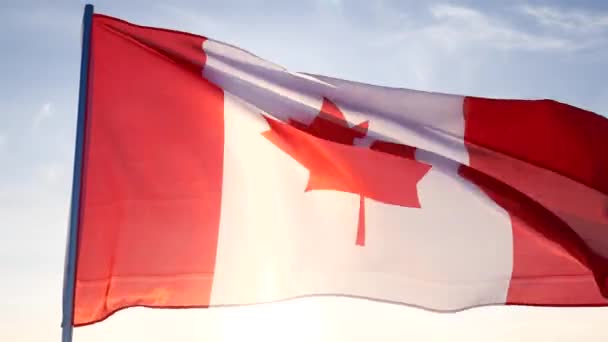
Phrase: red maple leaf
(386, 172)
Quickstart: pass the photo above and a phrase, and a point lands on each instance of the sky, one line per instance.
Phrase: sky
(506, 49)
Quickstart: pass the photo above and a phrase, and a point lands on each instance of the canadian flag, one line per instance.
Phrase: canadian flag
(212, 177)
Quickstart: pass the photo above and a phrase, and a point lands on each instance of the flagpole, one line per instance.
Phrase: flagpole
(69, 277)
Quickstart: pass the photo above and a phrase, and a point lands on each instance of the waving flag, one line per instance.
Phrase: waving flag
(212, 177)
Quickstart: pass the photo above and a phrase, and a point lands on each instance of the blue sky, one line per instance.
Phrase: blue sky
(508, 49)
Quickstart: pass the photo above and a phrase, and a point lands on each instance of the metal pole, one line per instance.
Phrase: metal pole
(69, 277)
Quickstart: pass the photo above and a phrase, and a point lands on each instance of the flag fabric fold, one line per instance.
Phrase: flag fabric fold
(212, 177)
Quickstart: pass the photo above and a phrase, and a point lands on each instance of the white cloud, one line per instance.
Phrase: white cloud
(458, 25)
(453, 27)
(2, 141)
(569, 20)
(45, 112)
(336, 3)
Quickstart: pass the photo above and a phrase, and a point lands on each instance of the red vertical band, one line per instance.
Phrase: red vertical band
(152, 173)
(545, 163)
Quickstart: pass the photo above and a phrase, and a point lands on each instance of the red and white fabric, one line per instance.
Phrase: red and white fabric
(213, 177)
